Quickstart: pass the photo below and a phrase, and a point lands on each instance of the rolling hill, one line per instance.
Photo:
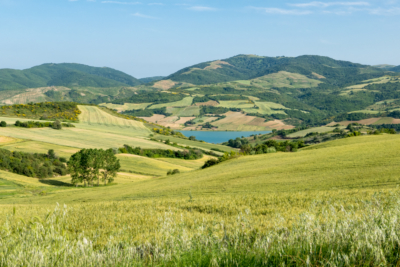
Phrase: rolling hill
(395, 69)
(245, 67)
(65, 74)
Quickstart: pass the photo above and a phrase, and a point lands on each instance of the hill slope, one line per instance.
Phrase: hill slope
(395, 69)
(64, 75)
(244, 67)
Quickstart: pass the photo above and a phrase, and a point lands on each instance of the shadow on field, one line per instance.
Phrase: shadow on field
(54, 182)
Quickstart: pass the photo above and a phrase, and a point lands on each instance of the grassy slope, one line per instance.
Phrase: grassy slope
(351, 163)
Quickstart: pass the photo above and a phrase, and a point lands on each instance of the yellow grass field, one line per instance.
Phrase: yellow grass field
(351, 163)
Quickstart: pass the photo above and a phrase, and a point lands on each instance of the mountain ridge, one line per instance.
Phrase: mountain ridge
(64, 74)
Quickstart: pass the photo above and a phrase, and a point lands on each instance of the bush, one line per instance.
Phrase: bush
(57, 125)
(3, 124)
(210, 162)
(172, 172)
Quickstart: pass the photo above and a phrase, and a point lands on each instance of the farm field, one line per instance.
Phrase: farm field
(237, 121)
(148, 166)
(351, 163)
(126, 106)
(97, 129)
(336, 186)
(187, 101)
(323, 129)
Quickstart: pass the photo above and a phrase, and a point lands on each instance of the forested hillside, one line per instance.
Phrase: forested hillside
(68, 75)
(395, 69)
(244, 67)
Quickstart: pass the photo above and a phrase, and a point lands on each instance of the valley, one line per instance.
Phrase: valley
(320, 156)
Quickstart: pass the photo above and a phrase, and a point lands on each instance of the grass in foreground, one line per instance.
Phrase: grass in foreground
(338, 228)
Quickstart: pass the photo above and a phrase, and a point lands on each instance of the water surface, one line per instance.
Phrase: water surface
(217, 137)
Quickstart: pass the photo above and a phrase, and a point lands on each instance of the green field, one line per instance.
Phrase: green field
(187, 101)
(364, 162)
(323, 129)
(346, 187)
(285, 79)
(148, 166)
(184, 111)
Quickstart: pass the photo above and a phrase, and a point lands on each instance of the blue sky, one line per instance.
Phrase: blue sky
(159, 37)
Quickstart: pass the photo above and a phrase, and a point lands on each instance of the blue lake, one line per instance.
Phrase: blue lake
(217, 137)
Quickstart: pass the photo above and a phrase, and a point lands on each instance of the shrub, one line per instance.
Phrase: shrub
(57, 125)
(3, 124)
(210, 162)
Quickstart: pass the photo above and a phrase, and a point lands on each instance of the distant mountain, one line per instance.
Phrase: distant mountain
(244, 67)
(64, 74)
(384, 66)
(151, 79)
(395, 69)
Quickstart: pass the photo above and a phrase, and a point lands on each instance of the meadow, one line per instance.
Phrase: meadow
(333, 204)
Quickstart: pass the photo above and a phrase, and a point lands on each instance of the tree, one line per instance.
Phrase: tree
(88, 165)
(3, 124)
(57, 125)
(110, 166)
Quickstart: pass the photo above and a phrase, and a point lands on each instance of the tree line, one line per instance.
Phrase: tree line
(37, 124)
(188, 154)
(33, 165)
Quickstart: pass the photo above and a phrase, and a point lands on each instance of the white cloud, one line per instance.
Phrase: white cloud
(201, 8)
(329, 4)
(139, 15)
(155, 4)
(120, 3)
(281, 11)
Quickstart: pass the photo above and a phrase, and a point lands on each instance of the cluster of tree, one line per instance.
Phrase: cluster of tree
(167, 131)
(216, 110)
(208, 125)
(271, 146)
(355, 116)
(146, 112)
(33, 165)
(92, 165)
(190, 123)
(149, 97)
(237, 143)
(37, 124)
(67, 111)
(396, 127)
(394, 114)
(225, 157)
(189, 154)
(383, 130)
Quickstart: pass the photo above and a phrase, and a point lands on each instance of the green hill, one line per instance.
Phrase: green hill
(244, 67)
(395, 69)
(151, 79)
(65, 74)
